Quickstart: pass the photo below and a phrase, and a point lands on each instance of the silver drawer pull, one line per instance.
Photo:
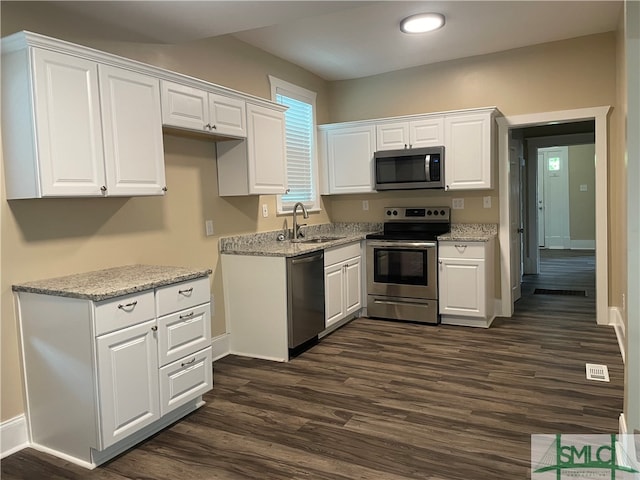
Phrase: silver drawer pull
(186, 291)
(188, 315)
(154, 328)
(131, 305)
(184, 364)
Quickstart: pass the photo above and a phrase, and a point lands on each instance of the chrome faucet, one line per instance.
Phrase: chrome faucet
(296, 228)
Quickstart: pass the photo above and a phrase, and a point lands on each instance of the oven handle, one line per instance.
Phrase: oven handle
(401, 244)
(427, 167)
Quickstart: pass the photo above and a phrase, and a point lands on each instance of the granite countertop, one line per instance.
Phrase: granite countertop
(266, 244)
(470, 232)
(112, 282)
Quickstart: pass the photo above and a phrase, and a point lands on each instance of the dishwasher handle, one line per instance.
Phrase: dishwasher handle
(308, 259)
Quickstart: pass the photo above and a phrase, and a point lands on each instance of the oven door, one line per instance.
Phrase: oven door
(400, 268)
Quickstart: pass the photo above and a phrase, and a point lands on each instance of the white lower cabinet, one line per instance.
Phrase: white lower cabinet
(342, 282)
(102, 376)
(466, 283)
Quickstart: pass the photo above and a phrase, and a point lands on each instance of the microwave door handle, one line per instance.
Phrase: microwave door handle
(427, 167)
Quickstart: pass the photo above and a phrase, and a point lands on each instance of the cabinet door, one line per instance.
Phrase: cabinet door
(227, 116)
(68, 125)
(392, 136)
(427, 133)
(468, 151)
(132, 123)
(350, 159)
(184, 107)
(462, 287)
(127, 381)
(333, 293)
(266, 151)
(353, 286)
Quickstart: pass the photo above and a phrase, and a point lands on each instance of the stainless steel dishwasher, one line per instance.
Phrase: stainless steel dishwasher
(305, 295)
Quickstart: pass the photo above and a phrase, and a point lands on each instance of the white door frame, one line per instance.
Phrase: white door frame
(601, 141)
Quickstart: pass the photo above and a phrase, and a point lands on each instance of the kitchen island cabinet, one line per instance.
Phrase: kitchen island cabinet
(105, 366)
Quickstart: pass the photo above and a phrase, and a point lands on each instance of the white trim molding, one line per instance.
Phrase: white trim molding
(601, 140)
(616, 321)
(13, 435)
(220, 346)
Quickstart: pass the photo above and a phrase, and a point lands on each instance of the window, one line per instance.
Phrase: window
(300, 129)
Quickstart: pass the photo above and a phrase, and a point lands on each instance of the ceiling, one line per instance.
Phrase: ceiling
(340, 40)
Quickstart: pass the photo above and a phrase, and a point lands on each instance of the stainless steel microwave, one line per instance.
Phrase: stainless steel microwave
(410, 168)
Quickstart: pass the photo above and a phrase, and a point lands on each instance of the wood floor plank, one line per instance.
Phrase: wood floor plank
(382, 400)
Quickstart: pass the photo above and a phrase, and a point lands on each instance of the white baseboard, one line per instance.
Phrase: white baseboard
(13, 435)
(582, 245)
(615, 320)
(220, 346)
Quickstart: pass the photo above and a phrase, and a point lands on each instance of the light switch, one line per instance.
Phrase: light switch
(486, 202)
(208, 227)
(265, 210)
(365, 205)
(583, 188)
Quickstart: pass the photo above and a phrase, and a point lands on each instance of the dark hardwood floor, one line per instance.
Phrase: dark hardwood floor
(388, 400)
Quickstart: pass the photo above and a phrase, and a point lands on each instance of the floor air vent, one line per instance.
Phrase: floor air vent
(597, 372)
(548, 291)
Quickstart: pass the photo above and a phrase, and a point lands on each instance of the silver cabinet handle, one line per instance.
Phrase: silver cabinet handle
(184, 364)
(164, 189)
(214, 127)
(186, 291)
(461, 246)
(131, 305)
(103, 188)
(154, 328)
(188, 315)
(208, 126)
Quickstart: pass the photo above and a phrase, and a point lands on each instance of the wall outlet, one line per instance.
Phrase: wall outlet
(365, 205)
(265, 210)
(583, 188)
(457, 203)
(208, 227)
(486, 202)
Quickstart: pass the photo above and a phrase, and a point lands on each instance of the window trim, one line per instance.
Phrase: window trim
(301, 94)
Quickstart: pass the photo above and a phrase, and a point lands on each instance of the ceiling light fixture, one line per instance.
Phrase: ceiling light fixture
(421, 23)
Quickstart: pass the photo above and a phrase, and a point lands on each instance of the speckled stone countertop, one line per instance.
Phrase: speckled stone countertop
(266, 244)
(112, 282)
(470, 232)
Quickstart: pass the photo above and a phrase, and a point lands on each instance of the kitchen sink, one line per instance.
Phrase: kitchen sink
(319, 240)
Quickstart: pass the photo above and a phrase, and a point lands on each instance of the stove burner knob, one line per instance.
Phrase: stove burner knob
(388, 212)
(395, 212)
(442, 212)
(435, 212)
(429, 212)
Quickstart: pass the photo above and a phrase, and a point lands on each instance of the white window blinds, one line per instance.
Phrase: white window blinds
(300, 140)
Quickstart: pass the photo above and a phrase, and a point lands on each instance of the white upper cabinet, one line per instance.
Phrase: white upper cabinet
(469, 150)
(257, 165)
(77, 128)
(349, 159)
(425, 132)
(194, 109)
(132, 126)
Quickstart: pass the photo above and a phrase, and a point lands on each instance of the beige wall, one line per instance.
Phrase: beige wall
(582, 204)
(50, 237)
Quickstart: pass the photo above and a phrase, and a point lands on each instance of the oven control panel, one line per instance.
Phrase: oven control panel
(420, 214)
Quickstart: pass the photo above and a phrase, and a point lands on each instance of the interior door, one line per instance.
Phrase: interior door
(515, 173)
(556, 197)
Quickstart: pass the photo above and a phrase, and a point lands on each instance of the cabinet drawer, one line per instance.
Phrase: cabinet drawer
(342, 253)
(179, 296)
(123, 312)
(185, 379)
(183, 333)
(461, 250)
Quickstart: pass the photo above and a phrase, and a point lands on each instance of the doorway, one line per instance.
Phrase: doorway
(508, 247)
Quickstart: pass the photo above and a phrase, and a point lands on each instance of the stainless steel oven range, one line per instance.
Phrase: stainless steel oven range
(402, 260)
